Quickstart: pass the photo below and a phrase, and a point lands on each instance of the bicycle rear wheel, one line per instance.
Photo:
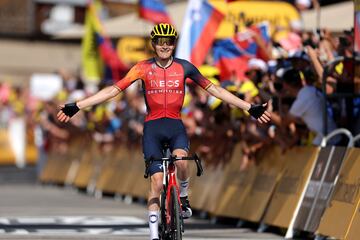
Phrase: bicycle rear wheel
(174, 211)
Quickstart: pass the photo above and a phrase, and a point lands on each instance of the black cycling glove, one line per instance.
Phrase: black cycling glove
(257, 110)
(70, 109)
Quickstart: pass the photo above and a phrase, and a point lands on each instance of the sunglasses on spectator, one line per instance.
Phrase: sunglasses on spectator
(170, 41)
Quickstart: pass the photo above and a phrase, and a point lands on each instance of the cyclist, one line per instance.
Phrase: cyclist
(163, 79)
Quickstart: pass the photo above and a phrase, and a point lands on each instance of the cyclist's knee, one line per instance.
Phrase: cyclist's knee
(181, 165)
(156, 183)
(180, 153)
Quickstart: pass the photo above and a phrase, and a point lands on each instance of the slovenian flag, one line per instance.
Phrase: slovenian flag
(198, 33)
(230, 59)
(154, 11)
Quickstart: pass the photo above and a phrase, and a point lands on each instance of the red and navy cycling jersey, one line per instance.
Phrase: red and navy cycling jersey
(164, 88)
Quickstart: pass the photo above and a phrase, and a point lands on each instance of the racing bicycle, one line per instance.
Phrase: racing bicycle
(171, 225)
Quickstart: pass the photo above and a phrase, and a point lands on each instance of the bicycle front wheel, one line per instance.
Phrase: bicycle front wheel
(176, 220)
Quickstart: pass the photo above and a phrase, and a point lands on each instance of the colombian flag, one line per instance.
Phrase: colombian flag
(230, 59)
(99, 58)
(198, 33)
(246, 40)
(154, 11)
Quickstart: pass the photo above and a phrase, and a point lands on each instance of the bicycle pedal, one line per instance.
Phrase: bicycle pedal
(186, 214)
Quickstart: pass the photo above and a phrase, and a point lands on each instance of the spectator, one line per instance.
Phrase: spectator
(307, 107)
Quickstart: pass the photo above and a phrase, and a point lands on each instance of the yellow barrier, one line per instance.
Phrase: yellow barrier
(31, 153)
(237, 185)
(129, 173)
(299, 162)
(89, 167)
(108, 171)
(139, 186)
(321, 185)
(268, 173)
(201, 187)
(7, 156)
(271, 190)
(345, 199)
(354, 231)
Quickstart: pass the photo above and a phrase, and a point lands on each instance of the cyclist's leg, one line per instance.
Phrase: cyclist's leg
(154, 204)
(152, 148)
(179, 145)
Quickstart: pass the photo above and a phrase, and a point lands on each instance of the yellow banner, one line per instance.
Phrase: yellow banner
(91, 60)
(357, 5)
(278, 14)
(132, 49)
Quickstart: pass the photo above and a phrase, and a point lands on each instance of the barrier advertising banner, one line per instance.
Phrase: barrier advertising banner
(354, 231)
(344, 200)
(237, 185)
(320, 188)
(285, 203)
(269, 171)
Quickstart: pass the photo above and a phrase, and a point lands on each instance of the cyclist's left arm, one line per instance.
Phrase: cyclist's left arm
(228, 97)
(257, 111)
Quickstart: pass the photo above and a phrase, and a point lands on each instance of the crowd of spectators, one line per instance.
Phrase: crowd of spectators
(290, 81)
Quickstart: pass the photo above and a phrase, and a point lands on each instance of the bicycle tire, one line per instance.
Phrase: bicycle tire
(162, 225)
(175, 218)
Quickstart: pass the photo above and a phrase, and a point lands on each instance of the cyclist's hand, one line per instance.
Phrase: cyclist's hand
(67, 111)
(259, 112)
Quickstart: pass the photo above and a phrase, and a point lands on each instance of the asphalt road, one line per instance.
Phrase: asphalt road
(33, 211)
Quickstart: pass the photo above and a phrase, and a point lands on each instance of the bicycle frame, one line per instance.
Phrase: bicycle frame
(169, 180)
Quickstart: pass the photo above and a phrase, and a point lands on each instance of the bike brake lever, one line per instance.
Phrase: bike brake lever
(200, 169)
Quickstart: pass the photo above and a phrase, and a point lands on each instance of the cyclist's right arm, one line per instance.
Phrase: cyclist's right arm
(70, 109)
(101, 96)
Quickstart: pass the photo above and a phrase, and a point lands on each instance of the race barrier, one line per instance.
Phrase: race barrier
(236, 186)
(311, 189)
(269, 172)
(17, 145)
(345, 202)
(299, 163)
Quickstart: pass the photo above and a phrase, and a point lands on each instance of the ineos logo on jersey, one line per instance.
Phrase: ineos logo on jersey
(163, 83)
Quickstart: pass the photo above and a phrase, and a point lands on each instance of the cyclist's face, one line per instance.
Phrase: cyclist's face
(164, 47)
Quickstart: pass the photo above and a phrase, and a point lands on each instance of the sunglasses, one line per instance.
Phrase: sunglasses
(170, 41)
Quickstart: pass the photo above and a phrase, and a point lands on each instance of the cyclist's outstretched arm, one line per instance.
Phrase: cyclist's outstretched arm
(257, 111)
(70, 109)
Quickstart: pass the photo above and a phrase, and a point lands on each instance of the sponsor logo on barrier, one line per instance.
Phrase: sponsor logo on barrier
(264, 182)
(346, 192)
(289, 185)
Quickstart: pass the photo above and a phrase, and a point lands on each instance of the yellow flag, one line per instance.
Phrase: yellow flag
(92, 63)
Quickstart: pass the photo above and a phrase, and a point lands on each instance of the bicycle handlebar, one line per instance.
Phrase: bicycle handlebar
(195, 157)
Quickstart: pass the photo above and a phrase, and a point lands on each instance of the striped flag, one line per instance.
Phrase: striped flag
(198, 33)
(99, 58)
(230, 59)
(153, 11)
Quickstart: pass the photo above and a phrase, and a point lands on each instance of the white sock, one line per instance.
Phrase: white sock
(184, 186)
(154, 224)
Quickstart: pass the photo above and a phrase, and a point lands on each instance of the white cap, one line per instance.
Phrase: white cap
(257, 64)
(305, 3)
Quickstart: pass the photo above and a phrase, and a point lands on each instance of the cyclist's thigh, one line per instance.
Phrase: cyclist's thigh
(152, 147)
(179, 139)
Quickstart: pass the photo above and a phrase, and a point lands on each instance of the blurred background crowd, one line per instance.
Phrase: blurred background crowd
(309, 77)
